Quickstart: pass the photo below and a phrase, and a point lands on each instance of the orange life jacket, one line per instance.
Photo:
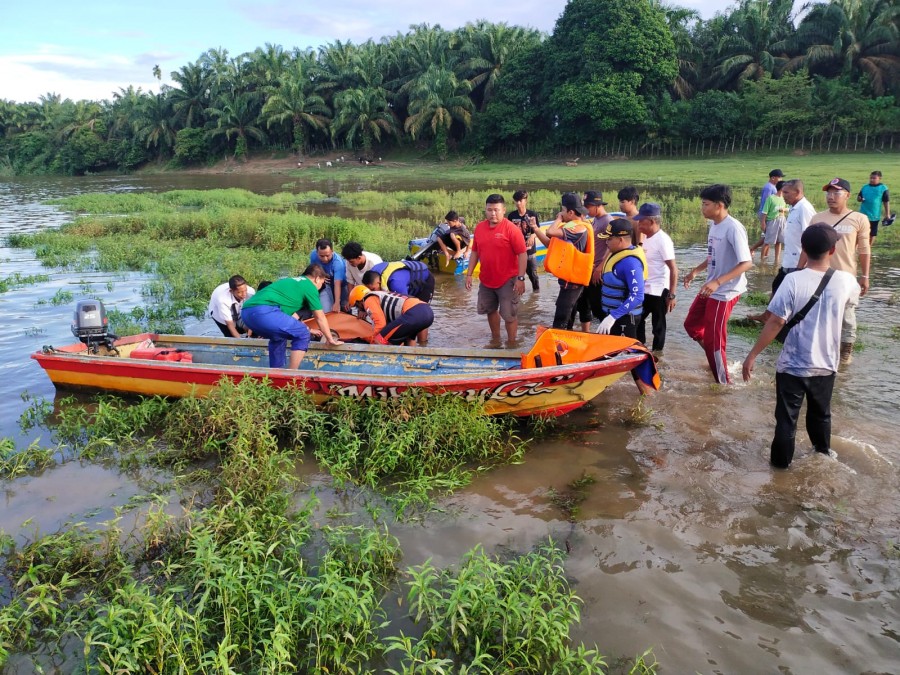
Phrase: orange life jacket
(566, 262)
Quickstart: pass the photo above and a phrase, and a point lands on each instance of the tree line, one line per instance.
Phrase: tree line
(636, 69)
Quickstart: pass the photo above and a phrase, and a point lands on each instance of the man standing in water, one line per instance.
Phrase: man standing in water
(659, 290)
(808, 363)
(727, 258)
(591, 300)
(523, 218)
(854, 230)
(872, 198)
(500, 247)
(768, 190)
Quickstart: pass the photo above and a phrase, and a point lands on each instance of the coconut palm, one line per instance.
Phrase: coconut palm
(363, 115)
(154, 126)
(237, 116)
(191, 96)
(438, 100)
(855, 38)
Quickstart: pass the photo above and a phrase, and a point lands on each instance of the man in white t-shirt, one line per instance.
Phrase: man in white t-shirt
(358, 262)
(798, 219)
(808, 363)
(225, 306)
(659, 288)
(727, 258)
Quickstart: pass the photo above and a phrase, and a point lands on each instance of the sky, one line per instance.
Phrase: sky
(91, 49)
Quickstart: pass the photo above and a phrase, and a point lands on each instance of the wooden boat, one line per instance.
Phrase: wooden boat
(507, 381)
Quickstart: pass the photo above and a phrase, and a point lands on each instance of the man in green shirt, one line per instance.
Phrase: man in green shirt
(871, 198)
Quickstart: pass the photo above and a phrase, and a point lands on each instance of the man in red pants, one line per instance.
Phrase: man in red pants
(727, 258)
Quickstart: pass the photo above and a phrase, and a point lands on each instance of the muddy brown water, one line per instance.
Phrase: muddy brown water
(687, 542)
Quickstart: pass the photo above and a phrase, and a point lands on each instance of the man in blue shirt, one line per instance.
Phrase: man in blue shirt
(871, 198)
(334, 291)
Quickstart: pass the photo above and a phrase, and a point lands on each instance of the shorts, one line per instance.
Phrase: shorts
(503, 299)
(873, 228)
(774, 233)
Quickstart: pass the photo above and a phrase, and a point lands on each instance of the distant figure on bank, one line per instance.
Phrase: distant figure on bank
(398, 320)
(334, 292)
(808, 363)
(523, 218)
(727, 259)
(358, 262)
(768, 190)
(623, 280)
(500, 247)
(454, 243)
(225, 306)
(772, 222)
(854, 230)
(872, 199)
(662, 275)
(571, 228)
(273, 313)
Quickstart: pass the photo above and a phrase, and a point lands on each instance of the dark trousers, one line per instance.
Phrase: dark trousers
(789, 393)
(656, 307)
(566, 304)
(626, 326)
(782, 273)
(531, 271)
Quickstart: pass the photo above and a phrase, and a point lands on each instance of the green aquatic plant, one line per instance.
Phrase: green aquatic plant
(15, 463)
(18, 280)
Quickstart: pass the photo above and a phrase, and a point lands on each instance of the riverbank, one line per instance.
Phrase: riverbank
(745, 170)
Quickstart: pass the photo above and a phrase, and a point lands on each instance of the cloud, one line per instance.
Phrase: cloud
(25, 77)
(359, 20)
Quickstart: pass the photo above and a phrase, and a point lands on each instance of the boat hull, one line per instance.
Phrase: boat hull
(357, 371)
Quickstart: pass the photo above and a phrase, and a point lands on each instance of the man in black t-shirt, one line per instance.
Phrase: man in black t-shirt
(523, 217)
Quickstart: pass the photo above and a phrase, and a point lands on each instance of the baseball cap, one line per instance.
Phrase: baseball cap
(819, 238)
(648, 210)
(619, 227)
(572, 202)
(837, 184)
(593, 198)
(776, 172)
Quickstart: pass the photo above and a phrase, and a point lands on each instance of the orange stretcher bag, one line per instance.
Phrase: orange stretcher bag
(566, 262)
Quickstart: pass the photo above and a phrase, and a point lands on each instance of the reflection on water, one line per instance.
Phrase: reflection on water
(686, 542)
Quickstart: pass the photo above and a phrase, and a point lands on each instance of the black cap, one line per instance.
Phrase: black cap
(572, 202)
(819, 238)
(593, 198)
(837, 184)
(619, 227)
(776, 172)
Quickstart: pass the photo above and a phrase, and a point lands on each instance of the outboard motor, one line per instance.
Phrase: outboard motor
(90, 325)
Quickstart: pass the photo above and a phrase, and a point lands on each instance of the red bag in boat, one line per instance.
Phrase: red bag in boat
(162, 354)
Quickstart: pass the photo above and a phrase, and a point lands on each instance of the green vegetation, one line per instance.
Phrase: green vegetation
(244, 582)
(756, 298)
(18, 280)
(569, 500)
(760, 74)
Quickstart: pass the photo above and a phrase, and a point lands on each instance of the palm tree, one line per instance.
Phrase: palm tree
(436, 102)
(755, 42)
(236, 115)
(295, 100)
(154, 127)
(486, 48)
(192, 95)
(854, 38)
(78, 116)
(363, 115)
(680, 20)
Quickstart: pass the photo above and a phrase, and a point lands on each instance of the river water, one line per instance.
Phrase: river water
(687, 542)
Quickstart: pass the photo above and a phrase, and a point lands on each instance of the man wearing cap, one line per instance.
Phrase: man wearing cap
(523, 218)
(659, 289)
(500, 247)
(571, 227)
(592, 297)
(727, 259)
(808, 362)
(854, 230)
(768, 190)
(622, 280)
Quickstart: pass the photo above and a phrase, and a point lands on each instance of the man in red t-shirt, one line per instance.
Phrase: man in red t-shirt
(500, 247)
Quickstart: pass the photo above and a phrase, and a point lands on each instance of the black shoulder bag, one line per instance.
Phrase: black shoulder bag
(799, 316)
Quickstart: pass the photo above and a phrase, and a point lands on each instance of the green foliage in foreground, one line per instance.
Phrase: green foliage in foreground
(17, 280)
(245, 583)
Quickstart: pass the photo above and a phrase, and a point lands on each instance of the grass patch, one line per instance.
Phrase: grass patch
(756, 299)
(569, 500)
(17, 280)
(745, 328)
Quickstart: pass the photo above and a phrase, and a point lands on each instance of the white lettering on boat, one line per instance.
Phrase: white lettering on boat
(515, 389)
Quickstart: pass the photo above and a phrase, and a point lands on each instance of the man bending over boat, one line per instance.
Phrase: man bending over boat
(225, 306)
(398, 319)
(273, 314)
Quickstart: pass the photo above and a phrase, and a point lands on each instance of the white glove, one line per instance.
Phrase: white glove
(606, 325)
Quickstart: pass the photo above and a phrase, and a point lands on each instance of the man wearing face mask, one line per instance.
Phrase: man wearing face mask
(854, 242)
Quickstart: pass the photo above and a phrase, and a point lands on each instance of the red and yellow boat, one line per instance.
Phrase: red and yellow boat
(563, 371)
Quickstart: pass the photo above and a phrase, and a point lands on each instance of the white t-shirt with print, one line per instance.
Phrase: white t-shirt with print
(727, 247)
(658, 249)
(221, 301)
(813, 346)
